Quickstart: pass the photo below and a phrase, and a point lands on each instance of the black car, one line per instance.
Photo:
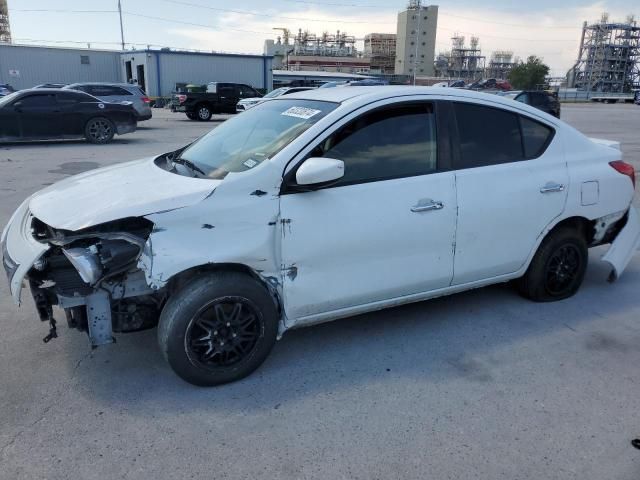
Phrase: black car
(218, 98)
(545, 101)
(44, 114)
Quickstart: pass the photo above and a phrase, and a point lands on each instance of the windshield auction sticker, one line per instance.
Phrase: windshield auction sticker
(301, 112)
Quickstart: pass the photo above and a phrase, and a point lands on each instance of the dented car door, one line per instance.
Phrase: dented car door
(385, 230)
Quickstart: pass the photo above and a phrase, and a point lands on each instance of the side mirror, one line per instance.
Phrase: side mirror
(319, 170)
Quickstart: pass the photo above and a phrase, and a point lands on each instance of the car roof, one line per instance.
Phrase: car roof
(380, 92)
(105, 84)
(56, 90)
(363, 95)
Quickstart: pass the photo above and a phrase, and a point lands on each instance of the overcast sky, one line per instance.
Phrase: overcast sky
(548, 28)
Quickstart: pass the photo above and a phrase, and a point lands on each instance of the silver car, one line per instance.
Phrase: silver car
(118, 92)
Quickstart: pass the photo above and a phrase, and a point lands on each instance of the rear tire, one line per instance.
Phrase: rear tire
(99, 130)
(218, 328)
(558, 267)
(203, 113)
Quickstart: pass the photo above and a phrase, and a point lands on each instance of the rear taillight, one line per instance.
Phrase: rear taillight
(182, 98)
(625, 169)
(146, 100)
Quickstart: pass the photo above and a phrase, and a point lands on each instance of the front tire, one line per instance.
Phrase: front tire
(558, 267)
(218, 328)
(99, 130)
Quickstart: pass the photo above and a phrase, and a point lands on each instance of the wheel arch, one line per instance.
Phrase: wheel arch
(271, 284)
(582, 224)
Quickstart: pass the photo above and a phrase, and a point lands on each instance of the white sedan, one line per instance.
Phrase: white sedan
(247, 103)
(316, 206)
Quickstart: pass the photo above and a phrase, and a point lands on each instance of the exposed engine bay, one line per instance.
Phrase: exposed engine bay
(92, 274)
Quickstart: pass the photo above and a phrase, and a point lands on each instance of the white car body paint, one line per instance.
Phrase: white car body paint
(124, 190)
(327, 254)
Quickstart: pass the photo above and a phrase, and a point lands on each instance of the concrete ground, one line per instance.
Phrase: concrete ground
(481, 385)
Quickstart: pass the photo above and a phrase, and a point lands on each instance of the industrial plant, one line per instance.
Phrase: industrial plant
(608, 58)
(5, 28)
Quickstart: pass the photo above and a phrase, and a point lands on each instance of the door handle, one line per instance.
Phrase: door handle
(427, 207)
(552, 187)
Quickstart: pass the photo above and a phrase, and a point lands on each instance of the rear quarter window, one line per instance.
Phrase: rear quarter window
(536, 137)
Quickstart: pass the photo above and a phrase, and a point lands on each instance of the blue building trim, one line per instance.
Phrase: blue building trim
(264, 73)
(180, 52)
(158, 82)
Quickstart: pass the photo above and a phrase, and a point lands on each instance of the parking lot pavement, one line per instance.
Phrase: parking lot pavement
(481, 385)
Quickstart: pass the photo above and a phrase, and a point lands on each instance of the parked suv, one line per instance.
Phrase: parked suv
(316, 206)
(118, 92)
(545, 101)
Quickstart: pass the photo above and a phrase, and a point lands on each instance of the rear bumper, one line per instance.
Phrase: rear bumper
(143, 117)
(625, 246)
(180, 108)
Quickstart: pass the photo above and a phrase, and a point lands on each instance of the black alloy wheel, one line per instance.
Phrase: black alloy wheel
(99, 130)
(562, 269)
(223, 332)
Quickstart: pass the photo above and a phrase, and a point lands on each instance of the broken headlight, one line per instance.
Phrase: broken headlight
(102, 258)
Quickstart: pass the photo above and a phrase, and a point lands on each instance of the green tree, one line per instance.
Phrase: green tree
(526, 76)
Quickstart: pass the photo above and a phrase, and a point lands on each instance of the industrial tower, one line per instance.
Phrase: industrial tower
(609, 57)
(5, 28)
(416, 39)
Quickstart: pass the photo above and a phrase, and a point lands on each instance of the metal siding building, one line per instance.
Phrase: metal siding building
(30, 65)
(24, 66)
(163, 69)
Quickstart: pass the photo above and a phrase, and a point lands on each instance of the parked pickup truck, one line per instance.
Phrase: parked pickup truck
(219, 98)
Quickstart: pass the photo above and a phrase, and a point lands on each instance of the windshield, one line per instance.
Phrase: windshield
(8, 98)
(275, 93)
(247, 140)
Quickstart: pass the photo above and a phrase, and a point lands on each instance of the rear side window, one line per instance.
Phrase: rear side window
(535, 137)
(108, 91)
(539, 98)
(68, 98)
(388, 143)
(488, 136)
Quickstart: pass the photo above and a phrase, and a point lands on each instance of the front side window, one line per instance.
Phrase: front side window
(247, 140)
(276, 93)
(387, 143)
(38, 101)
(247, 91)
(488, 136)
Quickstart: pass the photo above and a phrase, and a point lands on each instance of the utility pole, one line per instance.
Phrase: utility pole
(121, 28)
(415, 63)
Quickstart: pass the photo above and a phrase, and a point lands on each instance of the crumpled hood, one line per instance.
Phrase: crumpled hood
(130, 189)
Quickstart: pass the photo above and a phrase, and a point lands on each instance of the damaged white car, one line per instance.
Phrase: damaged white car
(316, 206)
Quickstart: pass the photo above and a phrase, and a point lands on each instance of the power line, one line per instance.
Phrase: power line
(171, 20)
(47, 10)
(380, 7)
(266, 15)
